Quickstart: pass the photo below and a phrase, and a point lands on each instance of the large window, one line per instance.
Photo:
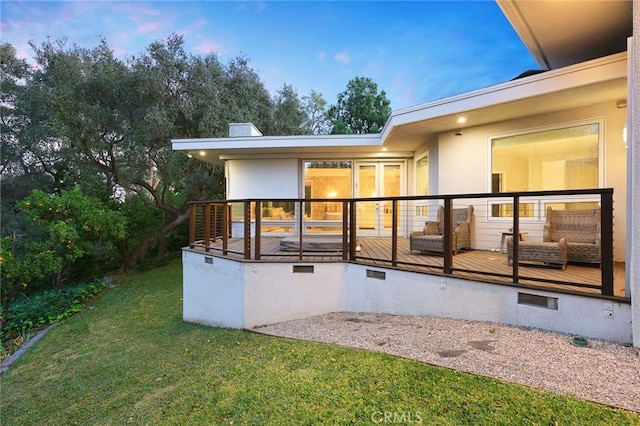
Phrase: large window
(326, 179)
(558, 159)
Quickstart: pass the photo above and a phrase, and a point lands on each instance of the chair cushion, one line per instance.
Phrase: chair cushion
(431, 228)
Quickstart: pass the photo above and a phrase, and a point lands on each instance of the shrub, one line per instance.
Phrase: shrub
(47, 307)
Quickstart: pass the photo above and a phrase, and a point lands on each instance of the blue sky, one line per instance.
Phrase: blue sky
(417, 51)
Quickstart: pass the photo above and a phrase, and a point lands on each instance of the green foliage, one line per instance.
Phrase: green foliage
(21, 262)
(315, 109)
(288, 115)
(48, 307)
(58, 230)
(157, 369)
(84, 118)
(360, 108)
(72, 223)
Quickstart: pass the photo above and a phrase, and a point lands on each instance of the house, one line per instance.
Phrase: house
(554, 138)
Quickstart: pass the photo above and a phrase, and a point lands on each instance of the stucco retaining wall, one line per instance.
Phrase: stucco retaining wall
(227, 293)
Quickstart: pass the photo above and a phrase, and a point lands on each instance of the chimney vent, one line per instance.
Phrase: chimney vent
(243, 130)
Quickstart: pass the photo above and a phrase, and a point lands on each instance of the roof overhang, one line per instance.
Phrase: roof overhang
(588, 83)
(407, 130)
(560, 32)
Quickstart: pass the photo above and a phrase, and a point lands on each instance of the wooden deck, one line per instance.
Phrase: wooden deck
(478, 265)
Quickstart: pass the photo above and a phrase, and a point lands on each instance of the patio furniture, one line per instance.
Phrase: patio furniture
(548, 253)
(506, 234)
(581, 229)
(431, 238)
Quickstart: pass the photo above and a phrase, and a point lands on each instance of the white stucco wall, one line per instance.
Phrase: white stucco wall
(270, 178)
(234, 294)
(407, 293)
(213, 293)
(225, 293)
(274, 292)
(464, 166)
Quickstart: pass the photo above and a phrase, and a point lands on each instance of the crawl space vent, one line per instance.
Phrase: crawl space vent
(376, 274)
(538, 301)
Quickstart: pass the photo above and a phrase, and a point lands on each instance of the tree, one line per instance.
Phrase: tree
(315, 108)
(92, 120)
(360, 108)
(245, 98)
(17, 175)
(58, 231)
(288, 114)
(12, 70)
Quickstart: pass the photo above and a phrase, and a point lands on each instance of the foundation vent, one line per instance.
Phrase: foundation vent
(208, 260)
(378, 275)
(303, 269)
(538, 301)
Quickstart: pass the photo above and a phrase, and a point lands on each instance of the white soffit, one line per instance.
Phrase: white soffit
(560, 33)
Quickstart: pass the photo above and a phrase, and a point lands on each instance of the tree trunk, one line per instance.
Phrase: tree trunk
(139, 252)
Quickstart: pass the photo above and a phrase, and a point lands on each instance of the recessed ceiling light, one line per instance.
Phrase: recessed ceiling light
(462, 120)
(384, 149)
(202, 153)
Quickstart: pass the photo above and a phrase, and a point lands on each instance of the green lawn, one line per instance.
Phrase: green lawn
(130, 359)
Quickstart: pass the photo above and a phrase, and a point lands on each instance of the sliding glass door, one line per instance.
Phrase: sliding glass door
(378, 179)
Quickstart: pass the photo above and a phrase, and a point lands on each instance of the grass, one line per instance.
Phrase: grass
(130, 359)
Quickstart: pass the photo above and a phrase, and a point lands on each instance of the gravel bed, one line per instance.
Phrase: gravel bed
(603, 372)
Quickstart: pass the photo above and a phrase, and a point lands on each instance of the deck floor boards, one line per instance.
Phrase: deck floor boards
(474, 264)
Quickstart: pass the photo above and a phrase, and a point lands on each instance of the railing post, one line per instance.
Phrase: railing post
(448, 235)
(352, 229)
(228, 221)
(516, 238)
(258, 228)
(215, 221)
(207, 226)
(301, 226)
(394, 233)
(300, 215)
(606, 239)
(247, 230)
(192, 225)
(226, 226)
(346, 243)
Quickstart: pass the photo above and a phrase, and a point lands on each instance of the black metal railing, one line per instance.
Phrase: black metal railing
(353, 222)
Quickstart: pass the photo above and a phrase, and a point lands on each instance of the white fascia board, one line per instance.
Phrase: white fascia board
(521, 27)
(574, 76)
(277, 142)
(314, 155)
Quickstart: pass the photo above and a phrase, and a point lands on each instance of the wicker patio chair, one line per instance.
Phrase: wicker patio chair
(548, 253)
(431, 238)
(581, 229)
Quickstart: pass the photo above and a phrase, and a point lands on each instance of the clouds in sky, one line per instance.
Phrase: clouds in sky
(415, 51)
(342, 57)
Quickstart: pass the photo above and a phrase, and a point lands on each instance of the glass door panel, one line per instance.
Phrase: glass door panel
(377, 179)
(390, 188)
(367, 187)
